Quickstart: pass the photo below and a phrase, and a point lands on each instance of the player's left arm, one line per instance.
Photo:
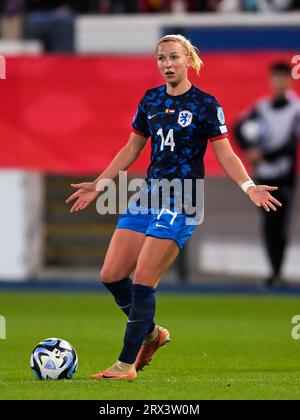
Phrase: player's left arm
(234, 168)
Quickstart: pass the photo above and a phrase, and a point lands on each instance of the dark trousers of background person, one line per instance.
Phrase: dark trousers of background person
(54, 29)
(276, 227)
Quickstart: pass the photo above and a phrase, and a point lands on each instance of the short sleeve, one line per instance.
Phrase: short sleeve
(140, 120)
(215, 120)
(298, 123)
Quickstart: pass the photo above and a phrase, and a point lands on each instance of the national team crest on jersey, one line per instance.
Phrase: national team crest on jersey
(185, 118)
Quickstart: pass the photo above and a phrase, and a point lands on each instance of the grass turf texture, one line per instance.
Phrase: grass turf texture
(222, 347)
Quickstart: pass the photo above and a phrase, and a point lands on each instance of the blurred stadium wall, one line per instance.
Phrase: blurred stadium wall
(64, 117)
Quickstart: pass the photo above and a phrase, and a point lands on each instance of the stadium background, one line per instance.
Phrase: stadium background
(66, 109)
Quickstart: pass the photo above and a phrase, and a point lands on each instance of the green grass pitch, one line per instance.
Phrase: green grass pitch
(223, 347)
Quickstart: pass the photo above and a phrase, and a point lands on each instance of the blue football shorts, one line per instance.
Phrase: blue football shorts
(165, 224)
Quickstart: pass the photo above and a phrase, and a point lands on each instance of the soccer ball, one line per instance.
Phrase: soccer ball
(53, 358)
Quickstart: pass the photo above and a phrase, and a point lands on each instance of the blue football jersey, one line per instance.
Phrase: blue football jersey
(180, 128)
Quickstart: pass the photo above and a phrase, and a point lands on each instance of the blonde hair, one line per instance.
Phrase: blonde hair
(192, 51)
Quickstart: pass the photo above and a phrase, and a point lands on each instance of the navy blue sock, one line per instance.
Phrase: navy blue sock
(139, 321)
(121, 291)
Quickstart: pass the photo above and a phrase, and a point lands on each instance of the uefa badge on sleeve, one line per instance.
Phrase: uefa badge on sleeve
(185, 118)
(221, 116)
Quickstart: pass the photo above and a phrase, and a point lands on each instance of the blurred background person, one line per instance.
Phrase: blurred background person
(274, 5)
(52, 23)
(114, 6)
(296, 5)
(257, 5)
(203, 5)
(177, 6)
(151, 6)
(190, 6)
(12, 11)
(269, 133)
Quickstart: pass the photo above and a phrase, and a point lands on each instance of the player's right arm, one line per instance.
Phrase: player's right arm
(124, 159)
(89, 191)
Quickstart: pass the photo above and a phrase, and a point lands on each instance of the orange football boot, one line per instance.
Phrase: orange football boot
(150, 345)
(119, 370)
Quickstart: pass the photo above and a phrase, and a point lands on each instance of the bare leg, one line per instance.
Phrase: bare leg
(120, 261)
(122, 255)
(154, 259)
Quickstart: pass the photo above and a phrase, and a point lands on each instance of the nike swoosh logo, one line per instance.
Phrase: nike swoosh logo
(124, 307)
(161, 226)
(137, 320)
(151, 116)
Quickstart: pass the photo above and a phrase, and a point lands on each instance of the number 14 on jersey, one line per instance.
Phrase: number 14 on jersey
(167, 141)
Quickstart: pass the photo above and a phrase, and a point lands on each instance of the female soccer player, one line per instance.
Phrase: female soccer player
(180, 119)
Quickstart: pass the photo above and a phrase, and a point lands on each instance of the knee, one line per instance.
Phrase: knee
(108, 275)
(145, 276)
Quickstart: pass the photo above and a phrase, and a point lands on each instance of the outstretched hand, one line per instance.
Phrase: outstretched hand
(85, 194)
(261, 197)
